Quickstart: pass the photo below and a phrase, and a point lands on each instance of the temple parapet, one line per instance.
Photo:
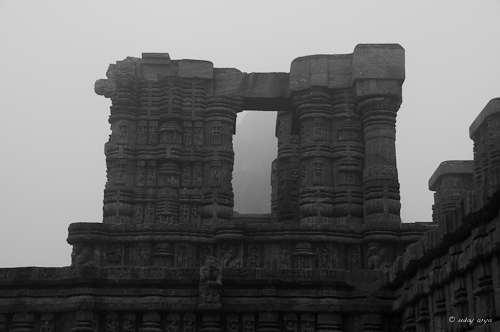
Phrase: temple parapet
(453, 270)
(451, 181)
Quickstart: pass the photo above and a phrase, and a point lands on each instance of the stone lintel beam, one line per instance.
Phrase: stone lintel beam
(373, 69)
(493, 107)
(260, 91)
(327, 71)
(450, 168)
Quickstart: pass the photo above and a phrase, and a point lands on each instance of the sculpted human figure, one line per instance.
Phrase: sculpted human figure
(210, 272)
(210, 282)
(375, 257)
(81, 255)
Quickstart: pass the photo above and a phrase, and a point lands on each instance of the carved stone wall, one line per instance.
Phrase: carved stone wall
(171, 256)
(448, 280)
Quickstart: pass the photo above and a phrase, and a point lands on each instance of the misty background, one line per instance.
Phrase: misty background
(53, 126)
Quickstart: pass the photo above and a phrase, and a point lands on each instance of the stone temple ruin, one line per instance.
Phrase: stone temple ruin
(171, 254)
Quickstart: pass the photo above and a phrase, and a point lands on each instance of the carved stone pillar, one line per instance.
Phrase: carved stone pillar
(304, 256)
(451, 181)
(380, 177)
(150, 322)
(269, 322)
(211, 322)
(348, 160)
(84, 322)
(316, 155)
(409, 319)
(372, 323)
(220, 117)
(23, 322)
(286, 171)
(329, 323)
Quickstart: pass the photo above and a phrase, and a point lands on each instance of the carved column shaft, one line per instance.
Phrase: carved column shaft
(220, 117)
(348, 160)
(380, 177)
(316, 157)
(286, 171)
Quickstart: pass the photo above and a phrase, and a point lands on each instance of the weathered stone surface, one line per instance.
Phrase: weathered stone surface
(171, 254)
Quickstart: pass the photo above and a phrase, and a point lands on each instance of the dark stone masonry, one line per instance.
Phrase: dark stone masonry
(171, 255)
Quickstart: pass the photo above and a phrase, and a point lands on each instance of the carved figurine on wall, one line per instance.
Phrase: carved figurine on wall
(229, 258)
(129, 322)
(47, 321)
(173, 319)
(210, 283)
(253, 257)
(111, 322)
(181, 255)
(376, 258)
(284, 257)
(82, 255)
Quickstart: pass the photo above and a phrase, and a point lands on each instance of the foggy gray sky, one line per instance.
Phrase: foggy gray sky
(54, 127)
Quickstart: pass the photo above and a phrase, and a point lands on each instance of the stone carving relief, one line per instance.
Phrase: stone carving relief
(307, 322)
(354, 259)
(215, 173)
(121, 171)
(210, 283)
(197, 174)
(184, 218)
(216, 133)
(318, 171)
(284, 257)
(248, 323)
(143, 132)
(141, 173)
(153, 132)
(173, 320)
(181, 255)
(198, 133)
(186, 175)
(138, 213)
(112, 322)
(206, 251)
(318, 129)
(253, 256)
(376, 257)
(114, 254)
(123, 130)
(46, 321)
(195, 214)
(82, 255)
(189, 322)
(151, 179)
(143, 254)
(325, 257)
(129, 322)
(290, 322)
(187, 132)
(229, 255)
(149, 212)
(232, 323)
